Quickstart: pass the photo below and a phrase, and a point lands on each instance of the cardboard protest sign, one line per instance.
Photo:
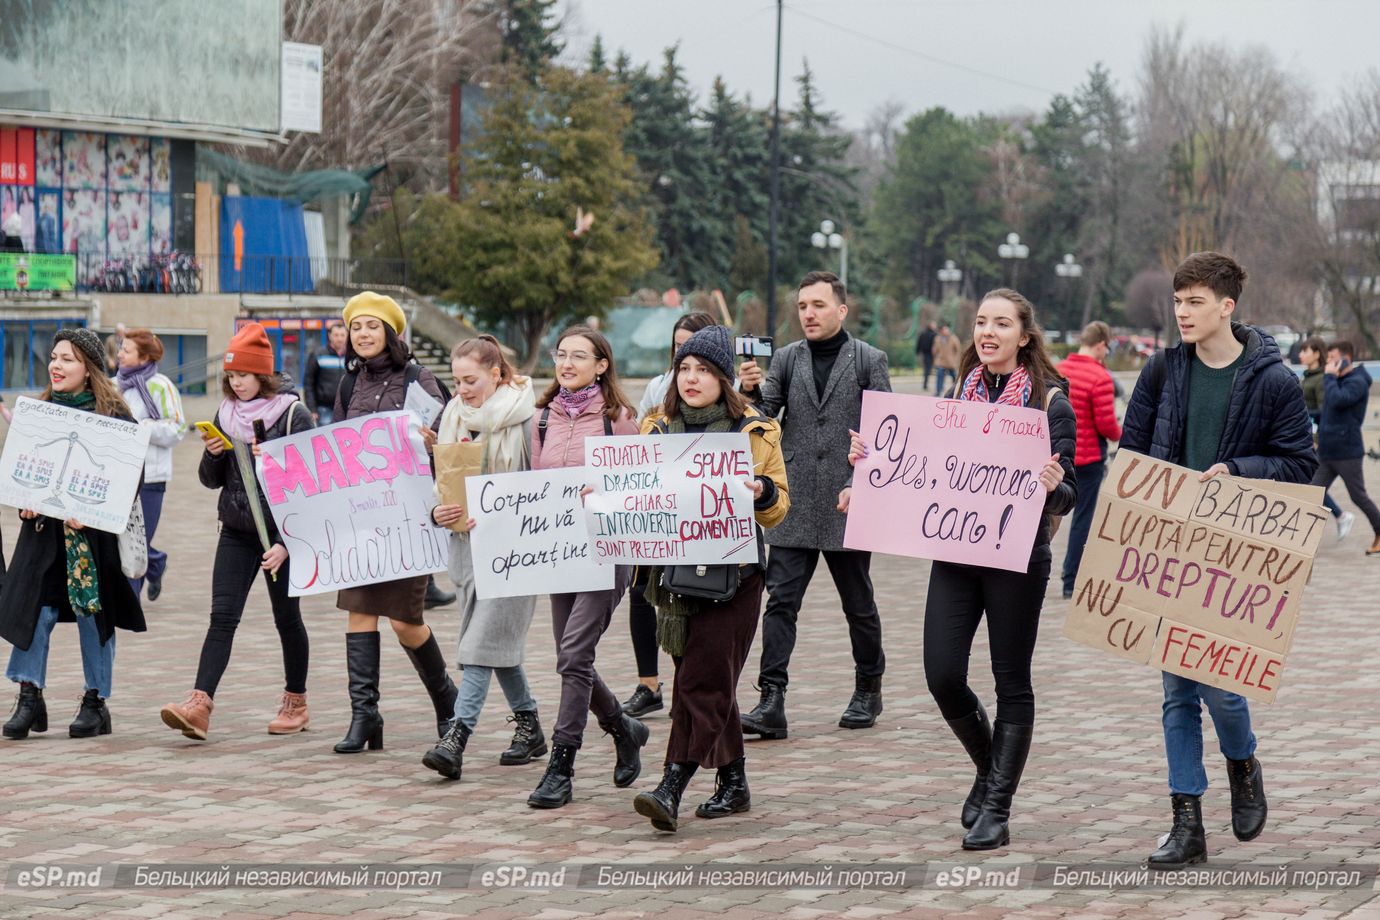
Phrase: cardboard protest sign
(948, 479)
(352, 502)
(454, 463)
(66, 463)
(1203, 579)
(530, 537)
(670, 499)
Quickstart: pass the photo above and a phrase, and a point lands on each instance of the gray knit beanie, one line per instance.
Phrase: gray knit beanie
(712, 344)
(84, 340)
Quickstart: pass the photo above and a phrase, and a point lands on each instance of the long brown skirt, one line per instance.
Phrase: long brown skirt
(398, 600)
(704, 706)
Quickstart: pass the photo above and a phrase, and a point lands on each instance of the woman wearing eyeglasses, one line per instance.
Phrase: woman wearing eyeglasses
(585, 401)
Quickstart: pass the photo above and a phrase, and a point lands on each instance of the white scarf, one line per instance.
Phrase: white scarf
(501, 423)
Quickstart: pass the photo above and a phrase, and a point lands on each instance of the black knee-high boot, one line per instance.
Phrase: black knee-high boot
(1010, 748)
(431, 668)
(362, 663)
(976, 734)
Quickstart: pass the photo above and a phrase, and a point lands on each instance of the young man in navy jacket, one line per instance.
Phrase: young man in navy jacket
(1221, 401)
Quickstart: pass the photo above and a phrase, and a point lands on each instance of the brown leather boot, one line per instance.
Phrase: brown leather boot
(1374, 547)
(292, 715)
(192, 718)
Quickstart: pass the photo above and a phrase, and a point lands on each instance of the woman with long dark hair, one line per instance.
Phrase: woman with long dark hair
(584, 401)
(646, 698)
(62, 571)
(376, 380)
(709, 641)
(1005, 363)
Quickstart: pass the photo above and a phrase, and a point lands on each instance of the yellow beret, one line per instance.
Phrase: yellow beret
(380, 306)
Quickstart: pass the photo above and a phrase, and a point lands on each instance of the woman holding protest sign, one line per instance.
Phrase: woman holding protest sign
(709, 640)
(1005, 363)
(62, 570)
(379, 368)
(492, 406)
(646, 698)
(154, 402)
(249, 543)
(584, 401)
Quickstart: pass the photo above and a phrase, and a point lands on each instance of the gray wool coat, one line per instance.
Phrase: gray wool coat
(814, 435)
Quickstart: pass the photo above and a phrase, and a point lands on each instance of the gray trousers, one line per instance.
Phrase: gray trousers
(1354, 478)
(578, 620)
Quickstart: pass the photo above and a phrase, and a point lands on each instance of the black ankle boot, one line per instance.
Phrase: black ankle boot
(431, 668)
(92, 718)
(448, 756)
(1187, 843)
(629, 735)
(644, 700)
(731, 795)
(1010, 748)
(1248, 806)
(662, 804)
(435, 597)
(768, 717)
(975, 732)
(865, 705)
(528, 740)
(30, 713)
(555, 788)
(362, 665)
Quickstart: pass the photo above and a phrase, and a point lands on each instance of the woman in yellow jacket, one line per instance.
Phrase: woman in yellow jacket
(707, 640)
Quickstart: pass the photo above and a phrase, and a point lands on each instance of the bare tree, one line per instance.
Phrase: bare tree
(389, 66)
(1150, 299)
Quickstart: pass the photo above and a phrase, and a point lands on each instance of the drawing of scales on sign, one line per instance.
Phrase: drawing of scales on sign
(65, 463)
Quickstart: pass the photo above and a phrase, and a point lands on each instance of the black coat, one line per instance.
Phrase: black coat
(1266, 434)
(1063, 439)
(222, 472)
(40, 549)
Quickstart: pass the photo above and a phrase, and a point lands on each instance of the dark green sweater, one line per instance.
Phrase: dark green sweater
(1209, 393)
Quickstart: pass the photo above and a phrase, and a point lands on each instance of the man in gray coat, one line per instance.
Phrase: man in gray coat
(819, 382)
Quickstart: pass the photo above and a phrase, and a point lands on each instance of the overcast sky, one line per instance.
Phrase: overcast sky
(967, 55)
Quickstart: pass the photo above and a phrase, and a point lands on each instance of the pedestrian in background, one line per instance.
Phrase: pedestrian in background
(946, 351)
(1312, 351)
(1092, 394)
(924, 352)
(321, 378)
(154, 402)
(1341, 452)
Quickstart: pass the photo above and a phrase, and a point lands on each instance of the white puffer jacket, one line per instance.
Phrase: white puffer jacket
(164, 432)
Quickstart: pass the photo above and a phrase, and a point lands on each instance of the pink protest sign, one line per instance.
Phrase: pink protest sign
(949, 480)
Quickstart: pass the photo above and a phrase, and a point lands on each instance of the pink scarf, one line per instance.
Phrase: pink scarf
(237, 416)
(576, 401)
(1016, 392)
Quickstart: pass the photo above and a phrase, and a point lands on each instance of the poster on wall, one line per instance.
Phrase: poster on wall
(83, 221)
(48, 229)
(17, 156)
(301, 87)
(48, 144)
(160, 224)
(127, 230)
(128, 159)
(19, 198)
(160, 160)
(83, 160)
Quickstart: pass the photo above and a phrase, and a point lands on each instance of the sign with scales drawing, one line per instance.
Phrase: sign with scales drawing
(69, 464)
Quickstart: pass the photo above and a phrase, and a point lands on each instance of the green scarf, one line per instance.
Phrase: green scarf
(83, 588)
(672, 610)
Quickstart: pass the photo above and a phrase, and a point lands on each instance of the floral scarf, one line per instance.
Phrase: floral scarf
(576, 401)
(83, 587)
(1016, 392)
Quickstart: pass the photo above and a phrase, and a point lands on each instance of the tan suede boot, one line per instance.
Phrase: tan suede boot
(292, 715)
(192, 718)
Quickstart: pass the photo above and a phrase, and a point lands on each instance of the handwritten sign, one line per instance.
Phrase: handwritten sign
(670, 499)
(352, 502)
(1203, 579)
(948, 479)
(66, 463)
(422, 404)
(530, 536)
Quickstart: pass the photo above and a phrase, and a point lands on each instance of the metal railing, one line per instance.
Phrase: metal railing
(186, 273)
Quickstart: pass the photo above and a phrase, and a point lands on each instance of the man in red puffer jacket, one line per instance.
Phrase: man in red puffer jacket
(1094, 407)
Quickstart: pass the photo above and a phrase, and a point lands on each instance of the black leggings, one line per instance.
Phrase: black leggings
(642, 625)
(238, 555)
(958, 597)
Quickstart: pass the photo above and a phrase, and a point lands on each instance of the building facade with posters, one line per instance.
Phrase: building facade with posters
(99, 157)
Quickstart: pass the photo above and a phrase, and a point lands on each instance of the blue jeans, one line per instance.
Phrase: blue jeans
(1183, 730)
(97, 660)
(1332, 506)
(940, 373)
(1088, 478)
(151, 501)
(474, 689)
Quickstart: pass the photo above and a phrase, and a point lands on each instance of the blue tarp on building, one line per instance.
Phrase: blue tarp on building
(263, 246)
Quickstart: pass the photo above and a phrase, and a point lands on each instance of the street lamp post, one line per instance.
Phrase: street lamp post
(826, 237)
(1013, 251)
(1068, 269)
(949, 278)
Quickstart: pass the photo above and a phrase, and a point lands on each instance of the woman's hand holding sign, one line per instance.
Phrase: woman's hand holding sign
(1052, 474)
